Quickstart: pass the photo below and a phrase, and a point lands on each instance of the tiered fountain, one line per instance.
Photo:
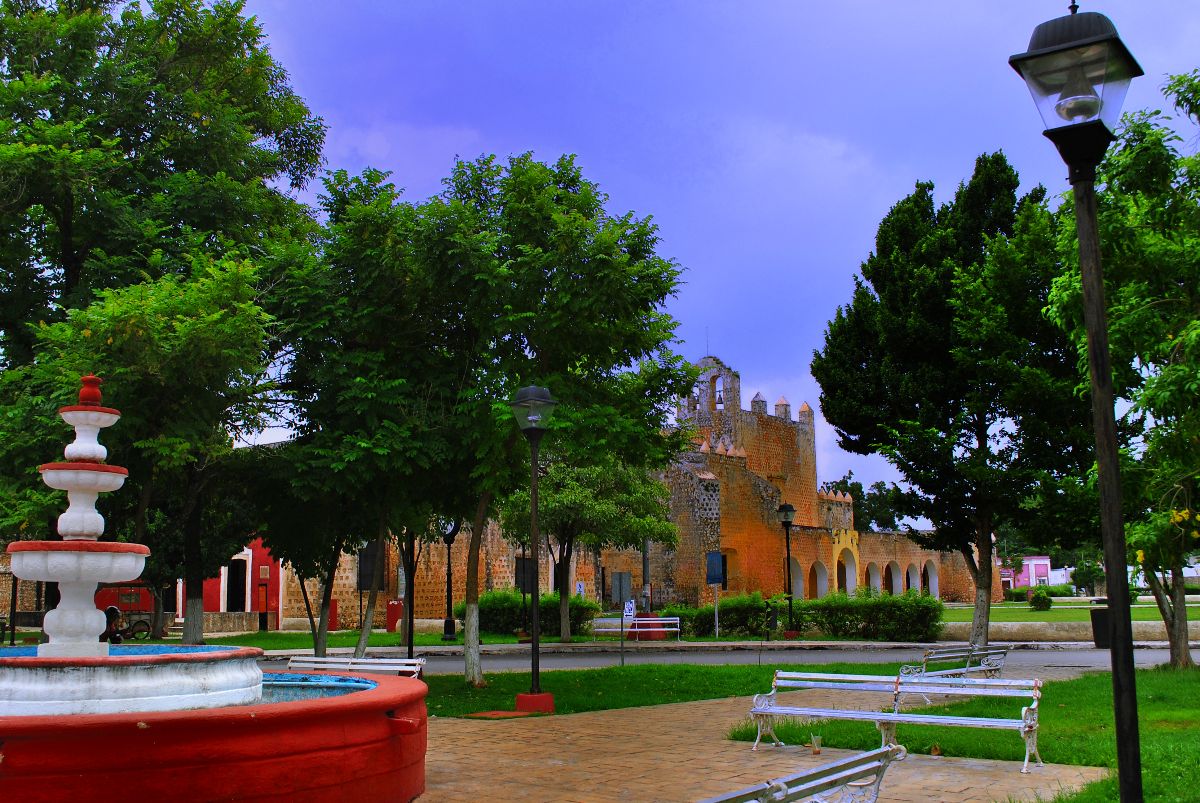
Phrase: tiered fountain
(80, 719)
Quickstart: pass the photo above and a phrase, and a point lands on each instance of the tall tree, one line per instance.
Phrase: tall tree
(944, 363)
(130, 139)
(184, 362)
(597, 506)
(1149, 218)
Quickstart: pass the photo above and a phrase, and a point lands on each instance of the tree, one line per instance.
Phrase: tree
(944, 363)
(594, 506)
(873, 507)
(1149, 218)
(183, 359)
(559, 293)
(128, 141)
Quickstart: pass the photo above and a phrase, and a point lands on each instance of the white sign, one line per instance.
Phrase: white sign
(630, 608)
(579, 586)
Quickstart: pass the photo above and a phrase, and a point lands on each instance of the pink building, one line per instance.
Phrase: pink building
(1035, 571)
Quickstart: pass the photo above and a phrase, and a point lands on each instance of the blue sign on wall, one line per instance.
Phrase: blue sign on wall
(716, 569)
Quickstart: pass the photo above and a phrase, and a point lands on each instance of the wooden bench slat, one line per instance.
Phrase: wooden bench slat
(413, 667)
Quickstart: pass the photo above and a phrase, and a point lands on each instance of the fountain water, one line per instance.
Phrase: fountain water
(75, 712)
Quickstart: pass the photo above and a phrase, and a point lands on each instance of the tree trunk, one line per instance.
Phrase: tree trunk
(193, 587)
(410, 591)
(473, 672)
(1172, 606)
(312, 622)
(157, 628)
(981, 574)
(564, 590)
(321, 638)
(376, 580)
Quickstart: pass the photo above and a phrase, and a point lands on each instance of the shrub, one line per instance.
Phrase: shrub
(1061, 590)
(1018, 594)
(1040, 599)
(500, 612)
(908, 617)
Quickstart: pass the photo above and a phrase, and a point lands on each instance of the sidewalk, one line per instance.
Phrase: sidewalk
(678, 752)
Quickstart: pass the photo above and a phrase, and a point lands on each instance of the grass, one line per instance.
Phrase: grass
(613, 687)
(302, 639)
(1020, 612)
(1076, 727)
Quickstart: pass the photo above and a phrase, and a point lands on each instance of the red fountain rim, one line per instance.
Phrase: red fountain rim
(84, 466)
(77, 546)
(88, 408)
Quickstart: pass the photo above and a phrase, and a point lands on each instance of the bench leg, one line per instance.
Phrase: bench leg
(888, 731)
(1031, 747)
(766, 724)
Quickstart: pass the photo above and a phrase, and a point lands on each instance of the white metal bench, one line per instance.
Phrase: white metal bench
(971, 659)
(861, 775)
(645, 624)
(412, 667)
(767, 707)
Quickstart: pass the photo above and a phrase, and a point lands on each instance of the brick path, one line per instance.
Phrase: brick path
(678, 752)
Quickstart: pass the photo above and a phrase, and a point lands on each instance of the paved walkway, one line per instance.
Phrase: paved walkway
(678, 752)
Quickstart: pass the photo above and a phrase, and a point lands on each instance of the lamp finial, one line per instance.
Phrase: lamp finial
(1074, 7)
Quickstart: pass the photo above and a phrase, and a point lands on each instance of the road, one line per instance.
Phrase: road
(1063, 661)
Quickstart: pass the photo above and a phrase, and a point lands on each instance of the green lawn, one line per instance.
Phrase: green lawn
(1020, 612)
(618, 686)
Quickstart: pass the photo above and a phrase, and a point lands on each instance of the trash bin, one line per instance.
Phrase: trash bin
(395, 612)
(1100, 626)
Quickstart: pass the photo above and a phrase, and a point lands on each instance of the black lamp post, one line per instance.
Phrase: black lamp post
(1078, 71)
(532, 407)
(448, 625)
(786, 515)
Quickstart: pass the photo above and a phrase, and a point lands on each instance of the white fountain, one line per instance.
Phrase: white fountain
(75, 672)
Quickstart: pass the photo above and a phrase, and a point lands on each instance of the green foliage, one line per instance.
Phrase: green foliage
(500, 612)
(907, 617)
(1023, 593)
(1088, 574)
(876, 617)
(135, 136)
(1039, 599)
(874, 507)
(944, 363)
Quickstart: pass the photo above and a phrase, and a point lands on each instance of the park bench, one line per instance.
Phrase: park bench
(767, 707)
(642, 625)
(862, 774)
(959, 662)
(412, 667)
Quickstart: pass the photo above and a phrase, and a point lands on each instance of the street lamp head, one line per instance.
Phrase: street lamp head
(1077, 69)
(786, 514)
(532, 407)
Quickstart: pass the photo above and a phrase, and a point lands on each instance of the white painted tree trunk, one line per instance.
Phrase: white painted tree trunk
(471, 652)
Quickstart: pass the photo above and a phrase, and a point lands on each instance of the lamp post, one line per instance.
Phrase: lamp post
(448, 625)
(1078, 71)
(532, 407)
(786, 515)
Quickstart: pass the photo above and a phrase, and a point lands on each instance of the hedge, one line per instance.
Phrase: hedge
(500, 612)
(884, 617)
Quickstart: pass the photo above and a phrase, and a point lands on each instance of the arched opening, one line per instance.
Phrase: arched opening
(847, 572)
(797, 580)
(929, 579)
(893, 579)
(912, 578)
(235, 584)
(818, 580)
(874, 579)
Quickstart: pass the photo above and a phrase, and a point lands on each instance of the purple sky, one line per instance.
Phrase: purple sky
(767, 139)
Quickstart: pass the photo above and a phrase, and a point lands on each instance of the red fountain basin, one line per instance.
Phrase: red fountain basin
(368, 745)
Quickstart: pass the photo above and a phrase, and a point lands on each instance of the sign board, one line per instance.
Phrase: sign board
(630, 608)
(715, 576)
(579, 587)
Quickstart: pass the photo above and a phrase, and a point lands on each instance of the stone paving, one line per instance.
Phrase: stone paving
(678, 752)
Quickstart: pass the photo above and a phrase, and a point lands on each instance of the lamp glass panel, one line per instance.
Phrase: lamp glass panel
(533, 413)
(1079, 84)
